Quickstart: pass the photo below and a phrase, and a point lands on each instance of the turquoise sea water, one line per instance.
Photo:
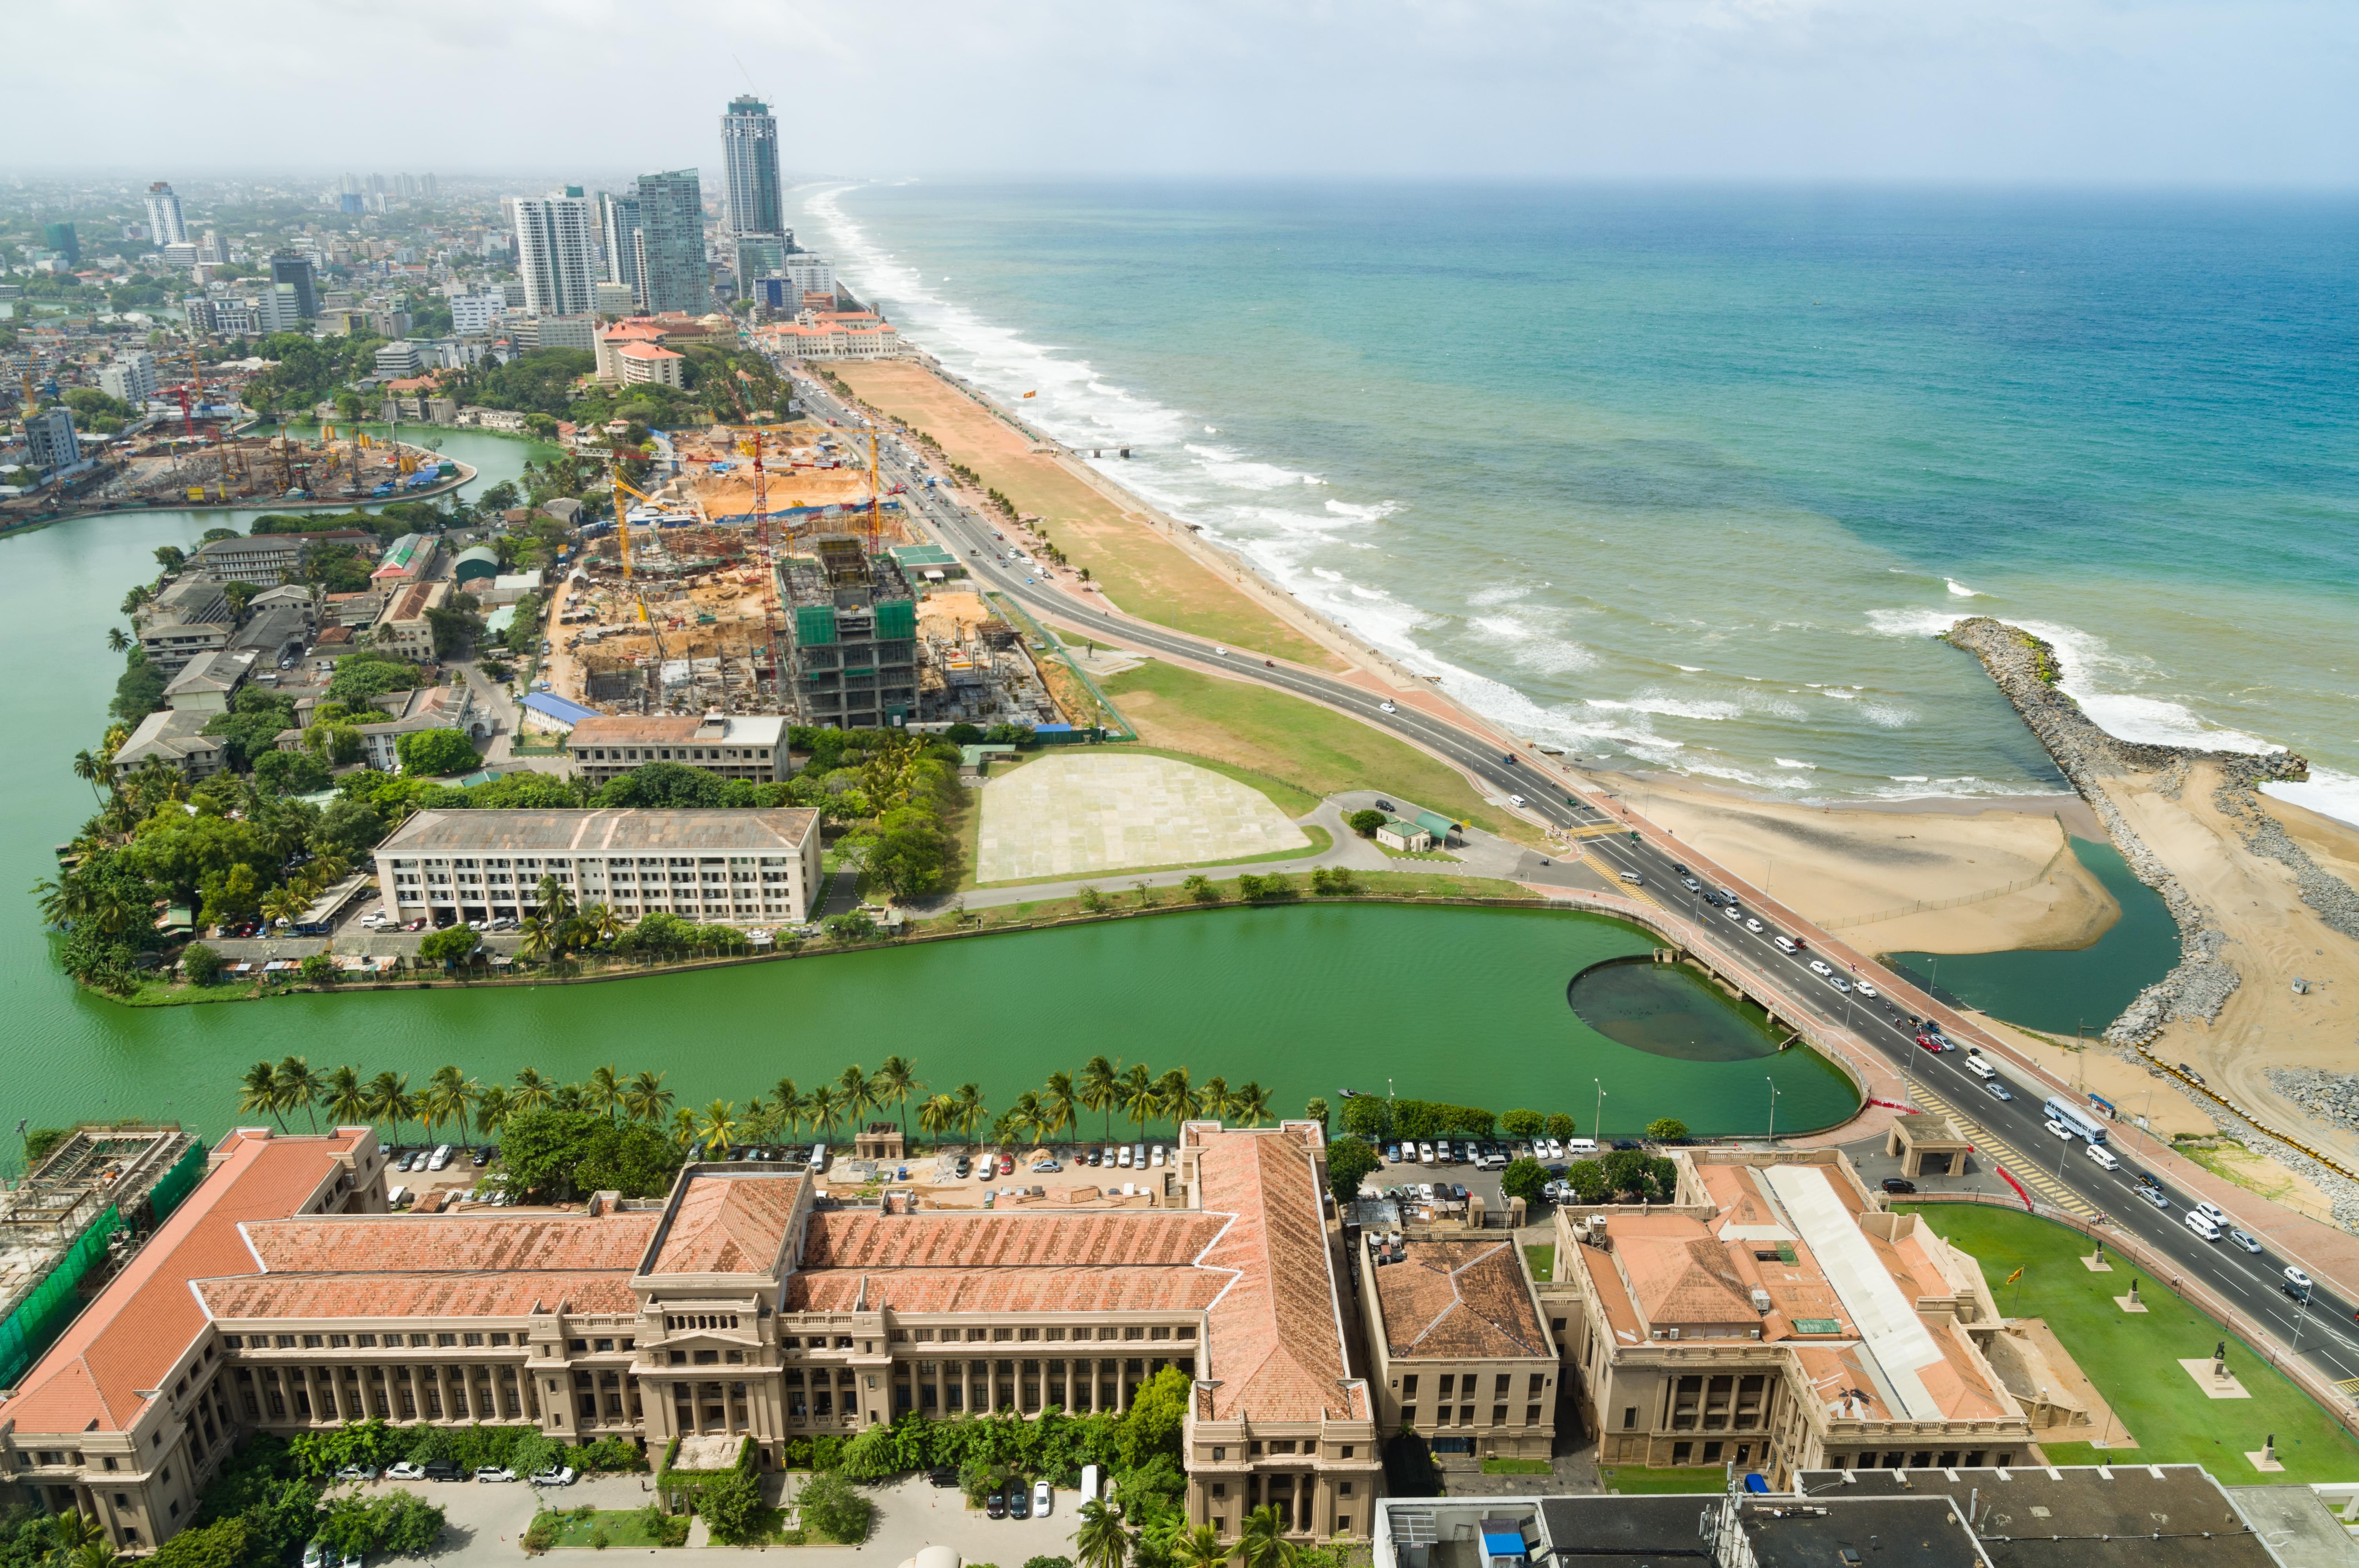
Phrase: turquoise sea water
(1689, 478)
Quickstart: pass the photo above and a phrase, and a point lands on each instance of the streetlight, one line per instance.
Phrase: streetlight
(1772, 1082)
(1597, 1127)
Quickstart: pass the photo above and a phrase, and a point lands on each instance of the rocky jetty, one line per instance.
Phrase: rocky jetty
(2026, 672)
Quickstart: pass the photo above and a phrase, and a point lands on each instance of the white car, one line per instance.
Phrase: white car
(1041, 1500)
(1753, 927)
(2212, 1212)
(1425, 1154)
(490, 1472)
(561, 1476)
(1516, 800)
(1122, 1158)
(405, 1471)
(1983, 1069)
(2103, 1157)
(1556, 1150)
(2295, 1278)
(2056, 1129)
(1387, 707)
(1868, 991)
(1818, 968)
(1733, 912)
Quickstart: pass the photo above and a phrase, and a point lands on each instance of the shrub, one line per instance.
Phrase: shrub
(1199, 888)
(1271, 889)
(540, 1534)
(1523, 1179)
(1335, 881)
(830, 1506)
(1348, 1160)
(201, 964)
(1521, 1123)
(1559, 1125)
(1667, 1130)
(732, 1507)
(1366, 823)
(317, 969)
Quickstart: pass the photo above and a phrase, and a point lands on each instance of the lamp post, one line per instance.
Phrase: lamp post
(1773, 1108)
(1597, 1127)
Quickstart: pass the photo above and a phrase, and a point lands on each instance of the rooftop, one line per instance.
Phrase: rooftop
(723, 1221)
(216, 670)
(1452, 1299)
(2117, 1516)
(454, 1243)
(635, 829)
(633, 729)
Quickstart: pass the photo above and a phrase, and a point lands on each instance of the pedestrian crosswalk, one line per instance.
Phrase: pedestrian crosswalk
(2042, 1183)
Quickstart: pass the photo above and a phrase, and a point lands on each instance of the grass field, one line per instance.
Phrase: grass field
(1142, 570)
(1313, 748)
(1496, 1467)
(1543, 1262)
(623, 1528)
(1630, 1479)
(2132, 1359)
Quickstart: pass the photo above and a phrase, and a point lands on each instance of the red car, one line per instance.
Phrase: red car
(1929, 1043)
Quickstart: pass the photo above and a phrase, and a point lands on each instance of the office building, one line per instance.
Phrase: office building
(851, 630)
(749, 156)
(618, 231)
(50, 443)
(755, 256)
(553, 241)
(556, 332)
(351, 203)
(670, 255)
(399, 359)
(295, 271)
(614, 298)
(1462, 1357)
(730, 746)
(1774, 1316)
(722, 867)
(130, 379)
(472, 315)
(165, 224)
(61, 238)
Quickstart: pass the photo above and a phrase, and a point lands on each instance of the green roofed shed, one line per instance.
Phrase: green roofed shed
(1440, 827)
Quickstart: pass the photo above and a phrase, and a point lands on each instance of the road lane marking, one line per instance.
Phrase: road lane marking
(2004, 1154)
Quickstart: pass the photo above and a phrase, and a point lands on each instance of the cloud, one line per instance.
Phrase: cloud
(1965, 90)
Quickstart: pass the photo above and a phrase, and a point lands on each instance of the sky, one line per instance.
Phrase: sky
(2063, 92)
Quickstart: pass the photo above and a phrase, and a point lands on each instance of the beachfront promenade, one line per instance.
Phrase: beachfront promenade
(1885, 1058)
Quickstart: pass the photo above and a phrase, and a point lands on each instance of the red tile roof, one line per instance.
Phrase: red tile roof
(393, 1244)
(147, 1316)
(727, 1223)
(1048, 1263)
(502, 1294)
(1459, 1299)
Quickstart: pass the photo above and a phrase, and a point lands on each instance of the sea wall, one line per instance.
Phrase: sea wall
(2027, 671)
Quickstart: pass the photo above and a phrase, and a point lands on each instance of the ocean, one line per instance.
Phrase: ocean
(1688, 479)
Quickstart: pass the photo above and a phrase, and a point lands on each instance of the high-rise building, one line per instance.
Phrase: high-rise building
(61, 238)
(618, 228)
(49, 439)
(553, 247)
(297, 270)
(671, 243)
(131, 379)
(427, 187)
(165, 224)
(749, 153)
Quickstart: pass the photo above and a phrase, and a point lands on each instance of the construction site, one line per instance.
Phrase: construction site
(204, 462)
(766, 574)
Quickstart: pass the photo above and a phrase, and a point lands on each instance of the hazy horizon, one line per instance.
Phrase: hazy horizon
(2097, 93)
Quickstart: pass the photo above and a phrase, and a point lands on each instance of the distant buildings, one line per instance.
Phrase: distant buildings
(130, 379)
(671, 243)
(749, 154)
(165, 224)
(553, 252)
(295, 271)
(50, 440)
(618, 228)
(472, 315)
(61, 238)
(399, 359)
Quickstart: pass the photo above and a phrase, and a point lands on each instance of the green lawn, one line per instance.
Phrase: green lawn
(1120, 879)
(1543, 1262)
(1518, 1467)
(1630, 1479)
(624, 1526)
(2134, 1358)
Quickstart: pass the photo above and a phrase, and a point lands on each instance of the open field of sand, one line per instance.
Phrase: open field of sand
(1846, 867)
(1142, 570)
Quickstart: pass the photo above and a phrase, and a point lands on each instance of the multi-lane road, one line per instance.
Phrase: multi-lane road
(2011, 1133)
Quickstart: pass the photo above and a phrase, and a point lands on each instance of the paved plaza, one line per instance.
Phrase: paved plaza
(1087, 813)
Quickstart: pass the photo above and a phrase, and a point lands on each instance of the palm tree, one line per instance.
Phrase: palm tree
(938, 1115)
(405, 1109)
(1200, 1548)
(90, 770)
(1023, 1119)
(385, 1092)
(539, 935)
(116, 643)
(1102, 1089)
(605, 925)
(446, 1097)
(789, 1107)
(72, 1531)
(1181, 1102)
(1058, 1105)
(97, 1555)
(859, 1091)
(556, 901)
(683, 1127)
(646, 1099)
(258, 1091)
(1215, 1098)
(1141, 1100)
(298, 1085)
(822, 1107)
(1251, 1103)
(284, 903)
(492, 1109)
(345, 1097)
(604, 1091)
(1262, 1543)
(970, 1109)
(895, 1082)
(759, 1125)
(532, 1091)
(718, 1129)
(1101, 1542)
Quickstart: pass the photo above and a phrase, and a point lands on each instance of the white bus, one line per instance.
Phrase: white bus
(2073, 1117)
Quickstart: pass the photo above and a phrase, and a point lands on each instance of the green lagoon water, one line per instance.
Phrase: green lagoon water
(2072, 990)
(1467, 1005)
(1670, 1010)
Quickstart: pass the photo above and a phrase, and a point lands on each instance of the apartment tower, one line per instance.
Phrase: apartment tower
(553, 245)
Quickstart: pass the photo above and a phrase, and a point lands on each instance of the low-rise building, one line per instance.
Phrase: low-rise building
(403, 628)
(406, 713)
(190, 617)
(407, 560)
(1462, 1357)
(649, 364)
(208, 683)
(717, 866)
(265, 560)
(176, 737)
(733, 746)
(831, 335)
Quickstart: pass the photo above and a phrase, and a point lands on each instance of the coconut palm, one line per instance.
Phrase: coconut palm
(449, 1096)
(258, 1091)
(825, 1103)
(1101, 1089)
(1058, 1105)
(789, 1106)
(72, 1531)
(938, 1115)
(1251, 1103)
(1023, 1119)
(539, 935)
(97, 1555)
(569, 1096)
(1181, 1102)
(345, 1097)
(859, 1092)
(717, 1128)
(604, 1091)
(1141, 1100)
(1216, 1100)
(556, 901)
(603, 923)
(1262, 1544)
(759, 1125)
(298, 1086)
(646, 1099)
(895, 1081)
(89, 768)
(116, 643)
(284, 903)
(1200, 1548)
(683, 1127)
(1101, 1542)
(492, 1109)
(385, 1092)
(532, 1092)
(970, 1109)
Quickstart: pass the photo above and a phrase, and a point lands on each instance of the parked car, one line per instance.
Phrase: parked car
(357, 1473)
(1041, 1500)
(943, 1475)
(561, 1476)
(1048, 1165)
(405, 1471)
(1019, 1502)
(965, 1167)
(995, 1506)
(494, 1473)
(444, 1470)
(1392, 1154)
(1899, 1184)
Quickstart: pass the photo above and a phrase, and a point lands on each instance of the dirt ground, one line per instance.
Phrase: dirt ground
(1837, 866)
(2274, 938)
(1142, 570)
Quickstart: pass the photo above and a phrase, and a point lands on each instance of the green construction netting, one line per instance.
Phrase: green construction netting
(814, 626)
(895, 618)
(54, 1302)
(166, 1193)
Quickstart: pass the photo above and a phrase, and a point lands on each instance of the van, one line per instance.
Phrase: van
(1634, 878)
(442, 1158)
(2103, 1157)
(1089, 1483)
(818, 1159)
(1783, 944)
(2201, 1223)
(1983, 1069)
(1581, 1148)
(397, 1197)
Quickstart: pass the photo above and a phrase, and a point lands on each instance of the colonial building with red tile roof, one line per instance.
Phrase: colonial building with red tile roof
(1461, 1355)
(747, 1303)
